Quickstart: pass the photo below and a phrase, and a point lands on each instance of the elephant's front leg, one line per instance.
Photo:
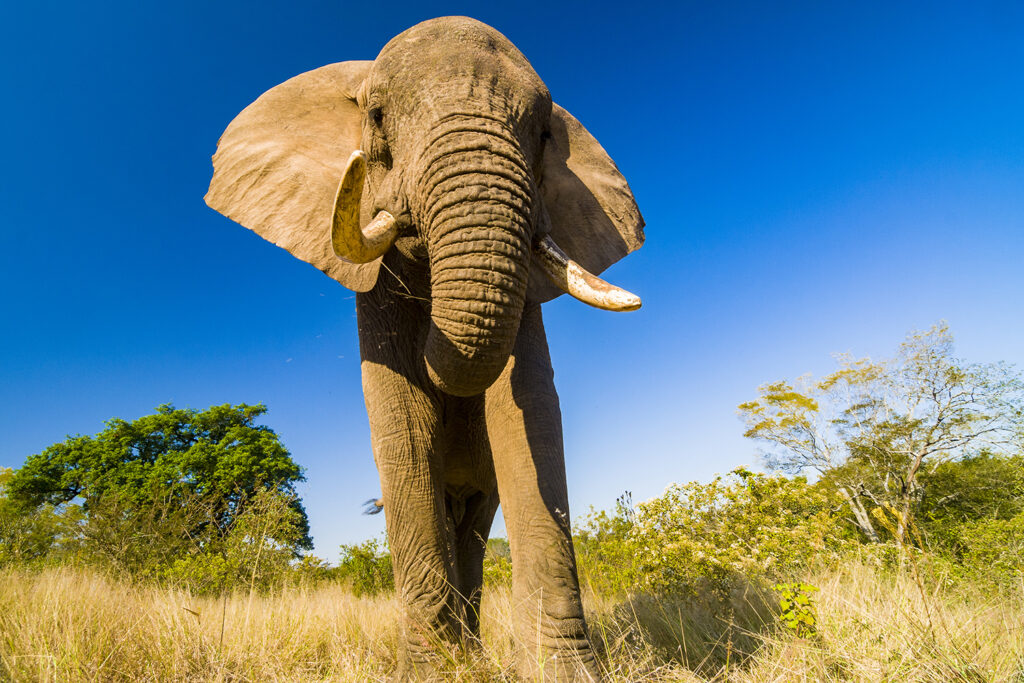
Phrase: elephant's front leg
(525, 429)
(404, 425)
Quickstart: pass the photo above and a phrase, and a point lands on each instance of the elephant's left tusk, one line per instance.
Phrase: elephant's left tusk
(349, 242)
(573, 279)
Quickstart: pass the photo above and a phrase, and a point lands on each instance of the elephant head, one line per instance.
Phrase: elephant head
(448, 149)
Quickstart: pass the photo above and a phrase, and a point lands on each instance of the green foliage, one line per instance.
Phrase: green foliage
(497, 563)
(717, 536)
(366, 568)
(994, 549)
(796, 607)
(27, 535)
(216, 454)
(182, 494)
(311, 570)
(255, 551)
(873, 429)
(606, 549)
(961, 492)
(138, 537)
(207, 499)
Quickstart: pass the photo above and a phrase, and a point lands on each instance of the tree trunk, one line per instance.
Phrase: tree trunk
(860, 514)
(907, 498)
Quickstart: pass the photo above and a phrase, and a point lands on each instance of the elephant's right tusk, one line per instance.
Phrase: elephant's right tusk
(574, 279)
(349, 242)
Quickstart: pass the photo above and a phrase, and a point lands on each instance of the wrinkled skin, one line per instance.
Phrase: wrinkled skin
(456, 372)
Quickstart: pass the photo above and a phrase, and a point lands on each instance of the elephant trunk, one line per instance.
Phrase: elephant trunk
(478, 199)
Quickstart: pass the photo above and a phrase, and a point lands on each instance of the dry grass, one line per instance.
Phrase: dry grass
(69, 625)
(898, 629)
(72, 625)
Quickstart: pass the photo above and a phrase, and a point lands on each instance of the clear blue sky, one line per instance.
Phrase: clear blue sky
(816, 177)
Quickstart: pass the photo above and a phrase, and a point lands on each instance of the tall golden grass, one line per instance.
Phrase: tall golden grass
(67, 624)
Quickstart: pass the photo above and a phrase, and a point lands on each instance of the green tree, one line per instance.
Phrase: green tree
(981, 487)
(26, 535)
(871, 428)
(256, 551)
(994, 549)
(164, 483)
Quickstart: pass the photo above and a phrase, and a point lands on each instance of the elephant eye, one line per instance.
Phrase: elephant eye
(377, 116)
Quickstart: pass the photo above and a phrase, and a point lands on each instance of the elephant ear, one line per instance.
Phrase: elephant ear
(594, 217)
(278, 165)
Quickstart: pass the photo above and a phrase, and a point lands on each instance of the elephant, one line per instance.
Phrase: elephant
(442, 185)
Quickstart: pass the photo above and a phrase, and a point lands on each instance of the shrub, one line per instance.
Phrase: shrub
(796, 607)
(255, 551)
(994, 548)
(366, 568)
(497, 563)
(606, 549)
(720, 535)
(29, 534)
(311, 570)
(961, 492)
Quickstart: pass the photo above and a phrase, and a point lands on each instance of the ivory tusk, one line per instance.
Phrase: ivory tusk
(348, 241)
(574, 280)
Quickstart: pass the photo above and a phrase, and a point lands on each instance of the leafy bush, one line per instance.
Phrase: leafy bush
(746, 526)
(962, 492)
(994, 548)
(497, 563)
(205, 498)
(366, 568)
(172, 477)
(28, 534)
(255, 551)
(606, 549)
(310, 570)
(796, 604)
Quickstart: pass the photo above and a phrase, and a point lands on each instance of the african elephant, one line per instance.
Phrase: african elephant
(441, 184)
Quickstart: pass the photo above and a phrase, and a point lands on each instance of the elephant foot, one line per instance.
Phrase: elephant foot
(429, 658)
(558, 650)
(564, 666)
(410, 672)
(556, 667)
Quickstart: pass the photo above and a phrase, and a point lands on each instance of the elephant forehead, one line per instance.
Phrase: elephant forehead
(451, 44)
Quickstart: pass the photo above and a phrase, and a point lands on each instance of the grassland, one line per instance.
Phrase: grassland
(67, 624)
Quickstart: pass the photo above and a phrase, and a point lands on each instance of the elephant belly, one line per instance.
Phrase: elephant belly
(469, 481)
(468, 466)
(466, 473)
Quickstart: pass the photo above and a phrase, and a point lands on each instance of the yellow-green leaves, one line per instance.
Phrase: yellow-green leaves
(796, 605)
(735, 529)
(871, 428)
